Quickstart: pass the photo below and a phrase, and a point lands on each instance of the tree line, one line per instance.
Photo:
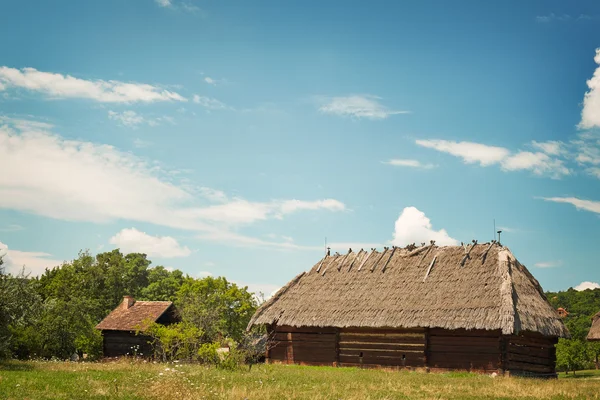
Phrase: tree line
(577, 353)
(55, 314)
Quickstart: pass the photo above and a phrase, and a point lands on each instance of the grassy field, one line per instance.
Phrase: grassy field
(139, 380)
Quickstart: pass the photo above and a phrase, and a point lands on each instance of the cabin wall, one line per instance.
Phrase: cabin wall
(310, 346)
(460, 349)
(120, 343)
(531, 354)
(436, 349)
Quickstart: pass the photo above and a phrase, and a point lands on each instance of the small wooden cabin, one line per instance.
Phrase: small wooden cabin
(119, 328)
(473, 308)
(594, 333)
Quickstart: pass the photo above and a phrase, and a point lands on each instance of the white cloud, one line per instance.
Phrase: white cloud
(548, 264)
(358, 106)
(83, 181)
(203, 274)
(267, 289)
(163, 3)
(140, 143)
(11, 228)
(134, 241)
(590, 114)
(580, 204)
(35, 263)
(65, 86)
(210, 103)
(538, 163)
(409, 163)
(550, 147)
(127, 118)
(587, 285)
(470, 152)
(214, 195)
(414, 227)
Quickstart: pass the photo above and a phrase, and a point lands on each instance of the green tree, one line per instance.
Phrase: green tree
(163, 285)
(218, 307)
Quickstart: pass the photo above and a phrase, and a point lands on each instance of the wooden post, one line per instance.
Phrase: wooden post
(426, 334)
(290, 349)
(503, 353)
(337, 347)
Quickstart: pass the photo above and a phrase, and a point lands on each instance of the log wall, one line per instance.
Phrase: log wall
(436, 349)
(531, 354)
(382, 347)
(120, 343)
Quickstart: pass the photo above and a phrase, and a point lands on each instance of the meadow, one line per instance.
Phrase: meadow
(127, 379)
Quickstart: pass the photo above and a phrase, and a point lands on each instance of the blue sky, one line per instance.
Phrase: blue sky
(232, 137)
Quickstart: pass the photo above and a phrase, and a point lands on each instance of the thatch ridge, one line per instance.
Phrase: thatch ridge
(490, 290)
(594, 333)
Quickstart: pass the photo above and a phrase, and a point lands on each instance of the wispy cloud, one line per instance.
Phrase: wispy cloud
(11, 228)
(548, 264)
(164, 3)
(133, 241)
(552, 17)
(131, 119)
(539, 163)
(580, 204)
(357, 106)
(180, 6)
(58, 86)
(210, 103)
(408, 163)
(106, 184)
(470, 152)
(213, 81)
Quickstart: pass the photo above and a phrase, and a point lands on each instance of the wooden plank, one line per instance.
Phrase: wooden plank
(530, 359)
(365, 260)
(389, 258)
(480, 358)
(305, 337)
(521, 366)
(383, 346)
(382, 330)
(463, 332)
(394, 361)
(429, 269)
(463, 349)
(307, 329)
(317, 346)
(378, 352)
(530, 351)
(385, 249)
(469, 341)
(382, 340)
(528, 341)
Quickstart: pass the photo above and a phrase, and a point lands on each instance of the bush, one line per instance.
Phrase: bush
(207, 354)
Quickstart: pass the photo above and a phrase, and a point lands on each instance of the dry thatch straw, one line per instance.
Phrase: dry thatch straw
(594, 333)
(492, 290)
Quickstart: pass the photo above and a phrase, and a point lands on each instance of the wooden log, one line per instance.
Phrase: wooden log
(463, 349)
(521, 366)
(383, 346)
(305, 337)
(429, 269)
(463, 332)
(530, 351)
(388, 260)
(365, 260)
(458, 341)
(382, 330)
(382, 339)
(530, 359)
(385, 249)
(304, 329)
(358, 256)
(530, 341)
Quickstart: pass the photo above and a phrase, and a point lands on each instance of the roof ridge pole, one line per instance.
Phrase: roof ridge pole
(385, 249)
(429, 269)
(485, 253)
(341, 262)
(388, 260)
(467, 253)
(365, 260)
(355, 258)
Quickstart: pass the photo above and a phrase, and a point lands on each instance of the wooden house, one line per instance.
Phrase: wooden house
(120, 327)
(473, 308)
(594, 333)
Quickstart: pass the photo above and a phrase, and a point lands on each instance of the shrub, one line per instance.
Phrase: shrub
(207, 354)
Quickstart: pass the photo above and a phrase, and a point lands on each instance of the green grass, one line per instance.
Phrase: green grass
(139, 380)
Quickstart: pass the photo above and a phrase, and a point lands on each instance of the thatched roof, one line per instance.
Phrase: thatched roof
(393, 288)
(134, 317)
(594, 333)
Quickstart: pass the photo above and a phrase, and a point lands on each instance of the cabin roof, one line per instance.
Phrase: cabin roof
(427, 286)
(594, 333)
(135, 316)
